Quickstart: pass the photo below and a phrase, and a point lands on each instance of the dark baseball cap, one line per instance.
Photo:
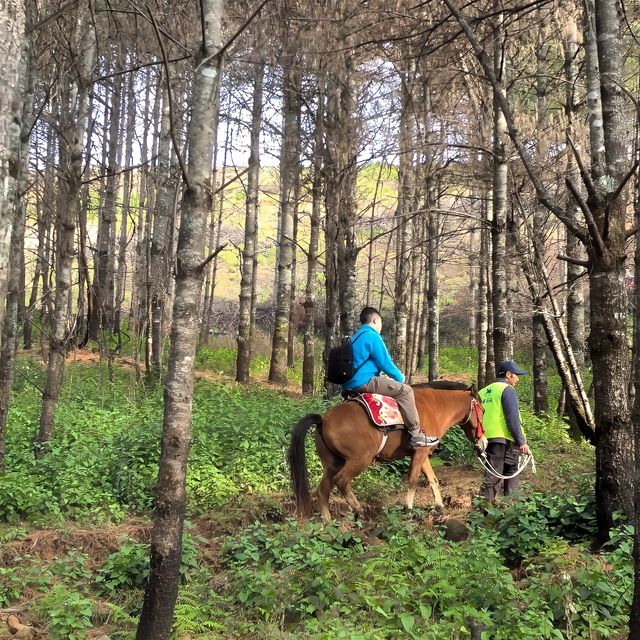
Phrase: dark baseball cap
(509, 365)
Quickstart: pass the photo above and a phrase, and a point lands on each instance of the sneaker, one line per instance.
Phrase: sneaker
(423, 440)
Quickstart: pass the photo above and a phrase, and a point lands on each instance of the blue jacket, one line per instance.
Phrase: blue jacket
(369, 348)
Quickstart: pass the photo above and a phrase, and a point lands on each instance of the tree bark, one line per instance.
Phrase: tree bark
(608, 300)
(12, 34)
(499, 220)
(166, 540)
(308, 358)
(289, 162)
(160, 238)
(406, 193)
(103, 281)
(74, 118)
(243, 359)
(539, 346)
(19, 154)
(121, 272)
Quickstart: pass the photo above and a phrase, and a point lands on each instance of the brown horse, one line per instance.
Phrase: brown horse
(347, 443)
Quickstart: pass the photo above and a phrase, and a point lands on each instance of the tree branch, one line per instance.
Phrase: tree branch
(140, 66)
(124, 170)
(588, 183)
(210, 257)
(234, 37)
(591, 223)
(626, 179)
(581, 263)
(543, 196)
(183, 168)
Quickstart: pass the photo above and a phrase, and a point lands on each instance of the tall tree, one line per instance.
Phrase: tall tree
(166, 540)
(499, 209)
(289, 166)
(19, 154)
(11, 46)
(406, 193)
(72, 122)
(246, 319)
(604, 236)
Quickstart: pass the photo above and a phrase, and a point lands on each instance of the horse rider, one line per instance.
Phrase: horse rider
(370, 358)
(503, 429)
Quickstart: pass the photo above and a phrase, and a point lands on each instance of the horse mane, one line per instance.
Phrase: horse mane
(445, 385)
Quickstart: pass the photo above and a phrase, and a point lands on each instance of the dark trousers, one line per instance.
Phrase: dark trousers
(504, 459)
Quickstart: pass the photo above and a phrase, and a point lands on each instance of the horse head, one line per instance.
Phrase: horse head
(472, 426)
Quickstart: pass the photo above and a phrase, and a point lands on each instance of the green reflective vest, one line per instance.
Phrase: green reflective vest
(494, 422)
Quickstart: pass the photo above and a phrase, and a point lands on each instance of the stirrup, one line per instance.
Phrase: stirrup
(423, 440)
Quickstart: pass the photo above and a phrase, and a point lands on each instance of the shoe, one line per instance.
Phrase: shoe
(423, 440)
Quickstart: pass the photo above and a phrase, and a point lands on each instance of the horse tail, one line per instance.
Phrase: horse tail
(298, 463)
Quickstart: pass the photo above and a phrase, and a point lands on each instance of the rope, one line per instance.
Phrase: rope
(523, 461)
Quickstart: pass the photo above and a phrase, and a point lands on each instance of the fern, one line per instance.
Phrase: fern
(190, 617)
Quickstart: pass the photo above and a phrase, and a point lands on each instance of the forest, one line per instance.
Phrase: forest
(198, 199)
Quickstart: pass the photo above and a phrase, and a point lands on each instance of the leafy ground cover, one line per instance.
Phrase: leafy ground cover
(74, 528)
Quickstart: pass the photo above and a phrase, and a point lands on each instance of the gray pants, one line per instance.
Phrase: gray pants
(402, 393)
(504, 459)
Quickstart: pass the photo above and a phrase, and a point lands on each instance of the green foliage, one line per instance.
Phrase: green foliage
(286, 559)
(128, 568)
(68, 612)
(524, 572)
(523, 528)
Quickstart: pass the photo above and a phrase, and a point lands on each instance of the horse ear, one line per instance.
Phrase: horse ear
(473, 389)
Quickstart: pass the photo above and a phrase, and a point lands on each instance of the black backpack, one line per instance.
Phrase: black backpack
(340, 362)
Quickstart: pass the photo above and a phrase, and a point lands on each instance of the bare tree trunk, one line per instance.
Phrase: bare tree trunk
(289, 161)
(483, 306)
(215, 231)
(138, 289)
(608, 299)
(634, 618)
(291, 335)
(121, 272)
(103, 282)
(499, 222)
(539, 343)
(474, 283)
(74, 119)
(166, 540)
(18, 154)
(12, 34)
(423, 347)
(308, 362)
(575, 272)
(160, 239)
(406, 190)
(433, 326)
(243, 359)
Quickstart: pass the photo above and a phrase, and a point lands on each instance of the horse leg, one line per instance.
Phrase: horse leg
(417, 459)
(344, 477)
(427, 469)
(331, 464)
(325, 487)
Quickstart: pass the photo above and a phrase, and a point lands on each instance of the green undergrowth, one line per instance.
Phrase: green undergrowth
(249, 570)
(289, 580)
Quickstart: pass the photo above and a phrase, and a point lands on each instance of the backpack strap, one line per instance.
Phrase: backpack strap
(364, 361)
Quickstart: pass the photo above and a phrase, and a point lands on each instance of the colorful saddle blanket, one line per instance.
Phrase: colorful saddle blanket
(382, 410)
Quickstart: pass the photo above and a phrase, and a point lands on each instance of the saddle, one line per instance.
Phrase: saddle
(382, 410)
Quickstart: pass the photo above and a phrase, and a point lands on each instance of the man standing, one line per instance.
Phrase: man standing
(503, 428)
(370, 358)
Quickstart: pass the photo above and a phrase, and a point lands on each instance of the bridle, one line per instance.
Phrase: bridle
(477, 408)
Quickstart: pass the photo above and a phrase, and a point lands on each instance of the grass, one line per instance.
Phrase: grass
(74, 526)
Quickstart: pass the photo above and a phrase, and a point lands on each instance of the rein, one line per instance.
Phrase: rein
(522, 464)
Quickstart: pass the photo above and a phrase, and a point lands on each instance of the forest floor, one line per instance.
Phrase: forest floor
(39, 545)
